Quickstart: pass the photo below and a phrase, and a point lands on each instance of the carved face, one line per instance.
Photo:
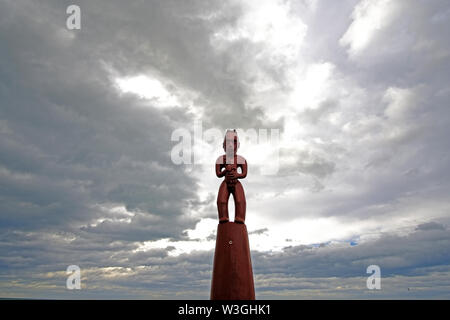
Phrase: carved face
(231, 142)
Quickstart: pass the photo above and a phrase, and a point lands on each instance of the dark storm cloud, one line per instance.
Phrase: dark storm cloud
(173, 38)
(259, 231)
(419, 260)
(307, 163)
(394, 254)
(430, 226)
(73, 148)
(68, 140)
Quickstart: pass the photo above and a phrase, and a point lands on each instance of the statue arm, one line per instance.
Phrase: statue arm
(244, 170)
(219, 172)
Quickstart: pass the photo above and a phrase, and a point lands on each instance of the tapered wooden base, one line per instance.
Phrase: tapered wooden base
(232, 277)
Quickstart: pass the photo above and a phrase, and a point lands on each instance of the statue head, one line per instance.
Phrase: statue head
(231, 141)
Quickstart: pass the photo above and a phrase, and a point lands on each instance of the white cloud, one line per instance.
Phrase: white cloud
(401, 102)
(311, 85)
(270, 23)
(369, 17)
(148, 88)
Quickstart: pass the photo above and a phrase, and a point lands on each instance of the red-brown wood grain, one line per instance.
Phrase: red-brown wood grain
(232, 272)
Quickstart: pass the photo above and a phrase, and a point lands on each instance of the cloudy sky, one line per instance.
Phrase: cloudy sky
(358, 91)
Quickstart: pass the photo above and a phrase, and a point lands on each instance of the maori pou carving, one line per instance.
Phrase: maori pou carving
(228, 166)
(232, 277)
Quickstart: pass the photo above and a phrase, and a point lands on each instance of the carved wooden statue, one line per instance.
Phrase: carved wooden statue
(232, 272)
